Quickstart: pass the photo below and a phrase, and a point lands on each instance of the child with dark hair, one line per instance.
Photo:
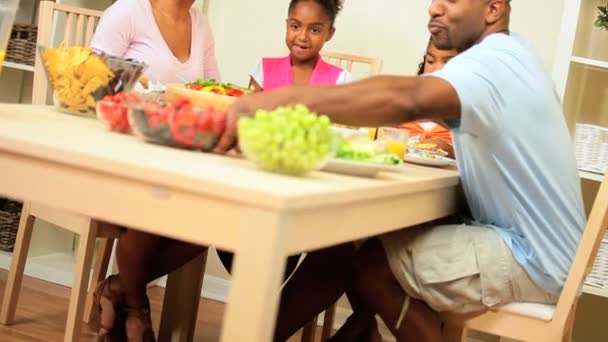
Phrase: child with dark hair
(429, 132)
(310, 24)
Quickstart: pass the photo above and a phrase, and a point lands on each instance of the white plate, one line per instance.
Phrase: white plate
(437, 161)
(358, 168)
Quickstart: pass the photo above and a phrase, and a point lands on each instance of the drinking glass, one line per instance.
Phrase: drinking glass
(8, 10)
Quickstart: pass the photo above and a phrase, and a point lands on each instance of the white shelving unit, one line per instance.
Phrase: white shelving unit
(591, 176)
(581, 68)
(590, 62)
(17, 66)
(595, 291)
(580, 74)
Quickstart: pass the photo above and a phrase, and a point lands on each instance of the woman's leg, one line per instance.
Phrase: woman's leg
(142, 258)
(137, 257)
(317, 283)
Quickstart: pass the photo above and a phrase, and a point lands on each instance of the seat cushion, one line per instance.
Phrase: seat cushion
(539, 311)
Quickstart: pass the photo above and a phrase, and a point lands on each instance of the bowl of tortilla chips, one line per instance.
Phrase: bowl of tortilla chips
(80, 77)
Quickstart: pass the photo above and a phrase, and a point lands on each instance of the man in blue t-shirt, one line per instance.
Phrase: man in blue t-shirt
(517, 169)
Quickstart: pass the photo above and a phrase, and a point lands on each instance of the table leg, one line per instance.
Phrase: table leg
(257, 274)
(180, 305)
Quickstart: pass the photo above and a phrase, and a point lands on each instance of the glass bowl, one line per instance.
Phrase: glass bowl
(80, 77)
(176, 123)
(113, 111)
(282, 145)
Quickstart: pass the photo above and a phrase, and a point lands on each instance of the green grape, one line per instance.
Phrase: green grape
(290, 140)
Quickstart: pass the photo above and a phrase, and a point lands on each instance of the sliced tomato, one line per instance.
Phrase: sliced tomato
(234, 92)
(195, 86)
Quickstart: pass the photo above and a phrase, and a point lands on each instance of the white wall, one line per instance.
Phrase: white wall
(394, 30)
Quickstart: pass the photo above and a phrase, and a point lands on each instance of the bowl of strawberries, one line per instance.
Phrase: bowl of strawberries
(113, 110)
(176, 123)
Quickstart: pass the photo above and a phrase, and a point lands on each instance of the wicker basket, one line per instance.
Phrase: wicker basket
(591, 144)
(22, 45)
(10, 212)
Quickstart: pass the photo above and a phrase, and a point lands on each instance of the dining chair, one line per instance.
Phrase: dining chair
(345, 61)
(79, 28)
(541, 322)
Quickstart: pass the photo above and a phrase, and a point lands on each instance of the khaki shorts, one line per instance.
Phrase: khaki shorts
(459, 268)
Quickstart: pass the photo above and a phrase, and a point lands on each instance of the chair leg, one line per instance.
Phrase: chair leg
(100, 269)
(182, 297)
(328, 322)
(309, 330)
(568, 329)
(82, 271)
(15, 275)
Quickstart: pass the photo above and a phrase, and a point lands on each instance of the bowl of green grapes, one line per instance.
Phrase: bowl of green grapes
(289, 140)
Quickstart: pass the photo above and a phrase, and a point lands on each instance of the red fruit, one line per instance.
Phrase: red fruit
(120, 97)
(186, 117)
(234, 92)
(154, 121)
(195, 86)
(166, 113)
(151, 108)
(204, 122)
(105, 107)
(219, 123)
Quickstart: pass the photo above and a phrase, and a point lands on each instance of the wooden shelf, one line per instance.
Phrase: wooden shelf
(595, 291)
(591, 62)
(18, 66)
(591, 176)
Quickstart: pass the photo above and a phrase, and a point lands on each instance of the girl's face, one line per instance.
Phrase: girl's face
(308, 28)
(435, 59)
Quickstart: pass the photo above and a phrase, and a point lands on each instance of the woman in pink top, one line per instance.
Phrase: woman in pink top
(172, 37)
(310, 24)
(175, 40)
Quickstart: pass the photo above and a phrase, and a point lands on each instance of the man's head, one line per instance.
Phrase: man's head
(459, 24)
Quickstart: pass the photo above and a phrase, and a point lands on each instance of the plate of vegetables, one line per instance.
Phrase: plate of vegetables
(363, 159)
(423, 157)
(211, 86)
(207, 93)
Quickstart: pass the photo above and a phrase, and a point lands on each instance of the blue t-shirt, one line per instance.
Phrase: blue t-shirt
(515, 156)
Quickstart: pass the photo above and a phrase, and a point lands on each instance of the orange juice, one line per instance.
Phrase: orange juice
(8, 10)
(397, 148)
(2, 53)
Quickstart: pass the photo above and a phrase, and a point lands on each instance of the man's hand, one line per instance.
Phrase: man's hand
(229, 138)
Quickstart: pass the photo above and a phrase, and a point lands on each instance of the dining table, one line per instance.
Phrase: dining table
(73, 163)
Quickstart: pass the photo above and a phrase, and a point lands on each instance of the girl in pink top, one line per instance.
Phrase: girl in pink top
(309, 25)
(175, 40)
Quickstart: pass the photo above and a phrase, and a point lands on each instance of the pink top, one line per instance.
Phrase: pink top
(278, 73)
(128, 29)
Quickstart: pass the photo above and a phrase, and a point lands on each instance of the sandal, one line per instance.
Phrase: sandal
(109, 322)
(138, 325)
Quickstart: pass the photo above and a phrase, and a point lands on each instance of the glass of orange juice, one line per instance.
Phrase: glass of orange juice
(396, 140)
(8, 10)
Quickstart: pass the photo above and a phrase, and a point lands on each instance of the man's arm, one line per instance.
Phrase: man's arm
(375, 101)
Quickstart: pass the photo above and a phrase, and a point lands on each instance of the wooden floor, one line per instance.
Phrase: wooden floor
(42, 313)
